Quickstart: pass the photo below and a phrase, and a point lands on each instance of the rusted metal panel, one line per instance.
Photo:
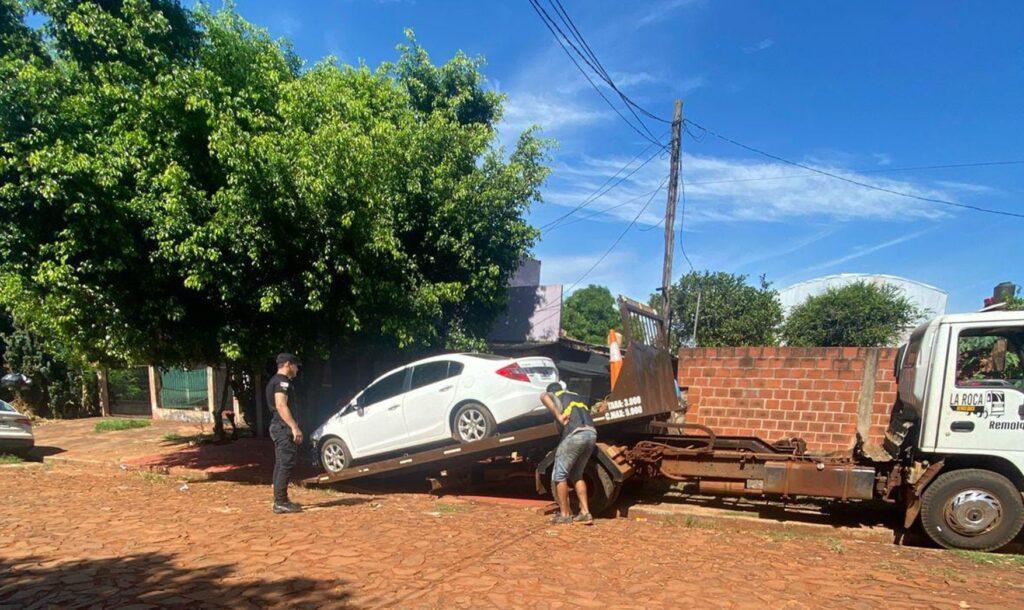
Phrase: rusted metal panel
(752, 487)
(830, 480)
(711, 468)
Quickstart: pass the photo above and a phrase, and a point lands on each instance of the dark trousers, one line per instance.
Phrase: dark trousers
(285, 451)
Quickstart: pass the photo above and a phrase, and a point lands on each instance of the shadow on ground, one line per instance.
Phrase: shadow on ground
(153, 578)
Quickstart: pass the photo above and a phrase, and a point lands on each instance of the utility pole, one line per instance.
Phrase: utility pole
(670, 210)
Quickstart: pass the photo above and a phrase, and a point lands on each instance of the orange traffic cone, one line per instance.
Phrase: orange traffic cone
(614, 355)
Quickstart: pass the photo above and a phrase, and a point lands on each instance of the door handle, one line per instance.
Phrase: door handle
(962, 426)
(445, 388)
(393, 407)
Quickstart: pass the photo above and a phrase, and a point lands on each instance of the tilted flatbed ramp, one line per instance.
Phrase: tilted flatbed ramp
(644, 391)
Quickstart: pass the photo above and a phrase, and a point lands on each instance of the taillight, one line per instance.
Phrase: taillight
(514, 372)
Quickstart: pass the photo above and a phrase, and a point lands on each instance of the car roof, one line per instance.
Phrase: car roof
(457, 356)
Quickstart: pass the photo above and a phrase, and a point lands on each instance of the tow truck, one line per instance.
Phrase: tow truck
(952, 457)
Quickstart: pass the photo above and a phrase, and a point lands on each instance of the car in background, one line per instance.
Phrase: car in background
(464, 397)
(15, 431)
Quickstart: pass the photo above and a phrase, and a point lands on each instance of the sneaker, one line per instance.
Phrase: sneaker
(287, 507)
(584, 519)
(560, 519)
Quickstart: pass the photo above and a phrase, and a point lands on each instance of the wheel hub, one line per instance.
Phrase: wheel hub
(973, 512)
(333, 458)
(472, 425)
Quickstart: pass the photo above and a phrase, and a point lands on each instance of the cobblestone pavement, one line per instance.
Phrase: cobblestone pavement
(75, 536)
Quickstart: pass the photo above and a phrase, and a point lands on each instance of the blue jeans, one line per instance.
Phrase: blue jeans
(572, 456)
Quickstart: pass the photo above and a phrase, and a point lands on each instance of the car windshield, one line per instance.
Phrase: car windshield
(4, 406)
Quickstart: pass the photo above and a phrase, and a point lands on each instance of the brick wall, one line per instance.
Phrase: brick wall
(823, 395)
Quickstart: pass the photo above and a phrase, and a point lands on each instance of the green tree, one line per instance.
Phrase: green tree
(589, 313)
(732, 312)
(178, 188)
(858, 314)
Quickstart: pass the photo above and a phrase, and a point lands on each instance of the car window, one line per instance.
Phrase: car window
(428, 373)
(454, 369)
(386, 388)
(7, 408)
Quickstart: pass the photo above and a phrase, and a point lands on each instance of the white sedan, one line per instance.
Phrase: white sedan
(464, 397)
(15, 430)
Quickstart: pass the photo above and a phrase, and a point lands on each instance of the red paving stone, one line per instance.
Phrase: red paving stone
(78, 536)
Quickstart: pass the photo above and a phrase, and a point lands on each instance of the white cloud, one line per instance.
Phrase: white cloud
(882, 158)
(863, 251)
(721, 189)
(761, 45)
(552, 113)
(612, 271)
(660, 12)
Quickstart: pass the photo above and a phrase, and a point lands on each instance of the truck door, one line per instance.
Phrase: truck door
(983, 392)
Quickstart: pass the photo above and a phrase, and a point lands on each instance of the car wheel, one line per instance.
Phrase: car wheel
(972, 509)
(472, 422)
(334, 455)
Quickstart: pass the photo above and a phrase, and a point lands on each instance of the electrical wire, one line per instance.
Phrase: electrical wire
(603, 211)
(608, 251)
(562, 41)
(852, 181)
(598, 193)
(872, 170)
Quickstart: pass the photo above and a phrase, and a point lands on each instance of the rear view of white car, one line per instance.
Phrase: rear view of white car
(464, 397)
(15, 431)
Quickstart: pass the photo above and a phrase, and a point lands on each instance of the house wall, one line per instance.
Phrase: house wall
(823, 395)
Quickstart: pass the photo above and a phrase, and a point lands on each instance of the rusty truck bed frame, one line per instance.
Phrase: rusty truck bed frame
(641, 438)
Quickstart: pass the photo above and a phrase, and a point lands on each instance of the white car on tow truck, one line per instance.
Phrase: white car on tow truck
(464, 397)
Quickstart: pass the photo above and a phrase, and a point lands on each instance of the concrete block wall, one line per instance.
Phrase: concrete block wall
(823, 395)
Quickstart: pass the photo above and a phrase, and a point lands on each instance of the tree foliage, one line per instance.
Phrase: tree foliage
(732, 312)
(178, 188)
(858, 314)
(589, 313)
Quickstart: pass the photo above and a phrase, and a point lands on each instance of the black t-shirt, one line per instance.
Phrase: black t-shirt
(280, 384)
(576, 409)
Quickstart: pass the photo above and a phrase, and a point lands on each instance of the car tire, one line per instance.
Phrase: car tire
(602, 490)
(472, 422)
(334, 455)
(972, 509)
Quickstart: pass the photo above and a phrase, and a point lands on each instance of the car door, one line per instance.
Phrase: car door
(376, 424)
(431, 392)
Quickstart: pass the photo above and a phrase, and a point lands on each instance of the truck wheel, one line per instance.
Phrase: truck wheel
(334, 455)
(472, 422)
(602, 491)
(972, 509)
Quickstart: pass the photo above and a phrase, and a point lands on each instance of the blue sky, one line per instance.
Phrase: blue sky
(861, 88)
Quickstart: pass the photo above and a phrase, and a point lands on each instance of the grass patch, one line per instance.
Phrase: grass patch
(451, 509)
(835, 545)
(8, 458)
(781, 535)
(113, 425)
(989, 558)
(952, 575)
(153, 477)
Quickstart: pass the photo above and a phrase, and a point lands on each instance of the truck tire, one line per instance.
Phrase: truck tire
(334, 455)
(472, 422)
(602, 490)
(972, 509)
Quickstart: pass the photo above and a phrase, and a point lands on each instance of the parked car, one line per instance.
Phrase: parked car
(15, 431)
(464, 397)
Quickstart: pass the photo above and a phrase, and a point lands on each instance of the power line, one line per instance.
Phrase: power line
(852, 181)
(598, 193)
(600, 69)
(873, 170)
(562, 41)
(604, 211)
(609, 250)
(682, 219)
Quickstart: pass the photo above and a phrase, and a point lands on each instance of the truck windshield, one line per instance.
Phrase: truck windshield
(990, 357)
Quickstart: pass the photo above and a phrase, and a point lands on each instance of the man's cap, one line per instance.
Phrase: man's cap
(284, 358)
(556, 386)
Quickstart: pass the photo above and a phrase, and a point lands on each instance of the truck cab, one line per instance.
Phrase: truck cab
(959, 427)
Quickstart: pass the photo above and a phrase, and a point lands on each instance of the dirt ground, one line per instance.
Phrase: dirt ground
(72, 535)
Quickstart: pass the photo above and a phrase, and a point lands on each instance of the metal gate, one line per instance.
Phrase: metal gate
(183, 388)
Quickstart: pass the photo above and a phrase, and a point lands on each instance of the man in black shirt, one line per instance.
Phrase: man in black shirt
(284, 430)
(579, 436)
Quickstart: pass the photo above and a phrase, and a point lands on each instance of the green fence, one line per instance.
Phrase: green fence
(183, 388)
